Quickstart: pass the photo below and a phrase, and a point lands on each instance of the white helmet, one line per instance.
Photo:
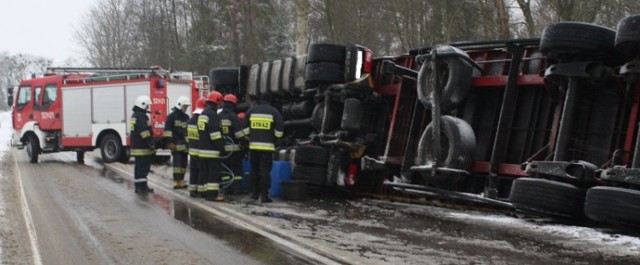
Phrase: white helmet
(143, 102)
(182, 101)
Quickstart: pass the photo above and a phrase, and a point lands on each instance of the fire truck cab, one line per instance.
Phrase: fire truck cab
(80, 109)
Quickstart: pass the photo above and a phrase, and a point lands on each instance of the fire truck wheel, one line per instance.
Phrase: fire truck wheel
(224, 77)
(457, 147)
(628, 36)
(33, 149)
(613, 205)
(547, 197)
(327, 52)
(312, 155)
(314, 174)
(564, 40)
(324, 73)
(110, 148)
(456, 75)
(80, 156)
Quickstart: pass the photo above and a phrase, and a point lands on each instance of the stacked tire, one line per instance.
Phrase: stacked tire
(311, 163)
(326, 64)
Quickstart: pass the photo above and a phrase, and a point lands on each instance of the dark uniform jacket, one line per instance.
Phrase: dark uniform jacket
(209, 134)
(175, 129)
(263, 124)
(192, 135)
(141, 140)
(231, 128)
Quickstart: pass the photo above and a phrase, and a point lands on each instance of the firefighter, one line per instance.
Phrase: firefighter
(264, 125)
(141, 143)
(232, 133)
(195, 183)
(175, 136)
(210, 147)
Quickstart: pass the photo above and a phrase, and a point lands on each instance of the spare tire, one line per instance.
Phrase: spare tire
(565, 40)
(628, 36)
(547, 197)
(454, 72)
(457, 146)
(224, 77)
(613, 205)
(327, 52)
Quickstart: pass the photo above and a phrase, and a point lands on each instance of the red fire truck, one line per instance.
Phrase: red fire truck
(80, 109)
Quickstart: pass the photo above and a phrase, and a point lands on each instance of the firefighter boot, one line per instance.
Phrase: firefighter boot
(179, 184)
(143, 189)
(264, 197)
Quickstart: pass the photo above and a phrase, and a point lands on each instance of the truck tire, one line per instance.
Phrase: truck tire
(324, 73)
(224, 77)
(33, 149)
(547, 197)
(287, 74)
(265, 84)
(574, 38)
(613, 205)
(327, 52)
(628, 36)
(275, 78)
(315, 175)
(299, 84)
(253, 81)
(458, 144)
(110, 148)
(458, 75)
(312, 155)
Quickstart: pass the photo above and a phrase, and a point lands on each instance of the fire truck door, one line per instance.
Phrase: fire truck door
(23, 111)
(47, 108)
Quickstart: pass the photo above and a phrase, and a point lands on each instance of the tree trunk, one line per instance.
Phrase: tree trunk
(302, 27)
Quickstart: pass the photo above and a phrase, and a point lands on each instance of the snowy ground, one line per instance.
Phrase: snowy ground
(5, 137)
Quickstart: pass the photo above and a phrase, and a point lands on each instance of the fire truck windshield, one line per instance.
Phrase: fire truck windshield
(24, 97)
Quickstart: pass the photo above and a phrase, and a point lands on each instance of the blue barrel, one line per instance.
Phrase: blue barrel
(281, 171)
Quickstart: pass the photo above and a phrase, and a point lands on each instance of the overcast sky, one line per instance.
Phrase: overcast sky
(41, 27)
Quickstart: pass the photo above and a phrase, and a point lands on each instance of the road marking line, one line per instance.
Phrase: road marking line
(26, 214)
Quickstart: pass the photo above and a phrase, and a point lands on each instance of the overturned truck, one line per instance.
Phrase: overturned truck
(546, 125)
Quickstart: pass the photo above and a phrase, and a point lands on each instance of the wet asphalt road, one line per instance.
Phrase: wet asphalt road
(88, 214)
(83, 214)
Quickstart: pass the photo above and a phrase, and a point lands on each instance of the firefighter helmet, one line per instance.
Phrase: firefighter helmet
(231, 98)
(201, 103)
(143, 102)
(215, 97)
(182, 101)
